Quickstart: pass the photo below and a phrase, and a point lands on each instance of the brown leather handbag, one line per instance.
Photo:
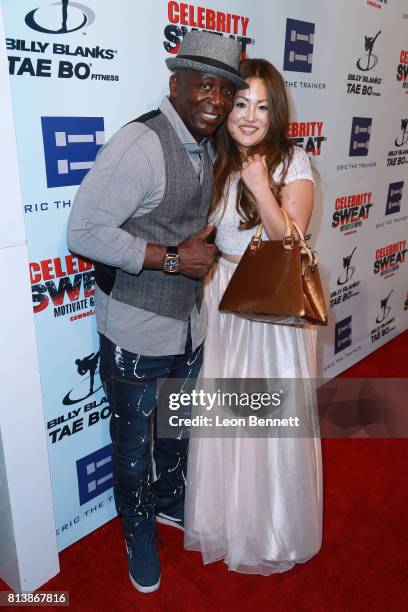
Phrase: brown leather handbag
(277, 281)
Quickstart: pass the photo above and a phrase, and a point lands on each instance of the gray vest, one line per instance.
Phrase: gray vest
(182, 211)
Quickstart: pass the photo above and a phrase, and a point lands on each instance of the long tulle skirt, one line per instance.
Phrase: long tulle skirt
(256, 503)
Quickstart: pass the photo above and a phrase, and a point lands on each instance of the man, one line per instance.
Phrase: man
(142, 210)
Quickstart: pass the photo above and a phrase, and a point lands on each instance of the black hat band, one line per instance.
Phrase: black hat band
(209, 62)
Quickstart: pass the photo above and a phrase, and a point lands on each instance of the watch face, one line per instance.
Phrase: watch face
(171, 263)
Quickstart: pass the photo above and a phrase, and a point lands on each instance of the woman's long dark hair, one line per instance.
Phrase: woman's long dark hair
(276, 145)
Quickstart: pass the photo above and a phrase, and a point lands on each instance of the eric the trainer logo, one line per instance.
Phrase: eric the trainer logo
(94, 472)
(360, 136)
(299, 44)
(394, 198)
(71, 145)
(342, 335)
(60, 17)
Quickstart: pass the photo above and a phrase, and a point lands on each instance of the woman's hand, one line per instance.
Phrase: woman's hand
(254, 173)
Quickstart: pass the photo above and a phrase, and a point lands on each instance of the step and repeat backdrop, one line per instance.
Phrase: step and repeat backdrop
(80, 70)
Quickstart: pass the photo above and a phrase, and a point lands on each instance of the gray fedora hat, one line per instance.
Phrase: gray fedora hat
(210, 53)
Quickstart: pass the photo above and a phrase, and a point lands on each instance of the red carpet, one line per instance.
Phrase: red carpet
(362, 564)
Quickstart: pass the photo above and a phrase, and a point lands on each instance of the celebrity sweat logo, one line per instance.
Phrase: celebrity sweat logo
(378, 4)
(389, 258)
(402, 70)
(307, 134)
(65, 283)
(184, 17)
(64, 18)
(350, 212)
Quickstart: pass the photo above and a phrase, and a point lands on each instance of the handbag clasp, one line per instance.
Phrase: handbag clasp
(288, 242)
(255, 243)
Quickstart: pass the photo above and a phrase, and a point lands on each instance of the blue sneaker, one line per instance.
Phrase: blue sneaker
(174, 518)
(143, 561)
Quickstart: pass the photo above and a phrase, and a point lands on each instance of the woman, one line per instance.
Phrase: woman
(256, 502)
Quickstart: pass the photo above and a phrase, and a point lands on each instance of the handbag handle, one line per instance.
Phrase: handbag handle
(288, 240)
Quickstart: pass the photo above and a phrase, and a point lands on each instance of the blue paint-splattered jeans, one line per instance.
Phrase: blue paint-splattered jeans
(130, 382)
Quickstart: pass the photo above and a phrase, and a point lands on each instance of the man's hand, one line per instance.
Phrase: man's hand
(196, 256)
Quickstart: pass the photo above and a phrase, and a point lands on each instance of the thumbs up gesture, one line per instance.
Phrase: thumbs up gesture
(196, 255)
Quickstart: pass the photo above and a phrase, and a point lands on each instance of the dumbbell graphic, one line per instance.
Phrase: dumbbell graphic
(394, 197)
(309, 38)
(360, 145)
(364, 131)
(295, 56)
(62, 139)
(396, 194)
(360, 129)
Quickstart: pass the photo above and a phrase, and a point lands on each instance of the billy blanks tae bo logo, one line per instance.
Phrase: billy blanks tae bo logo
(399, 155)
(58, 18)
(29, 57)
(184, 17)
(363, 84)
(346, 289)
(385, 324)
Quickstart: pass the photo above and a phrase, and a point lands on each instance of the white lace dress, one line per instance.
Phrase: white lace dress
(256, 503)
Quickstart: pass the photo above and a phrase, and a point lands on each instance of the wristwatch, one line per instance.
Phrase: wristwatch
(171, 260)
